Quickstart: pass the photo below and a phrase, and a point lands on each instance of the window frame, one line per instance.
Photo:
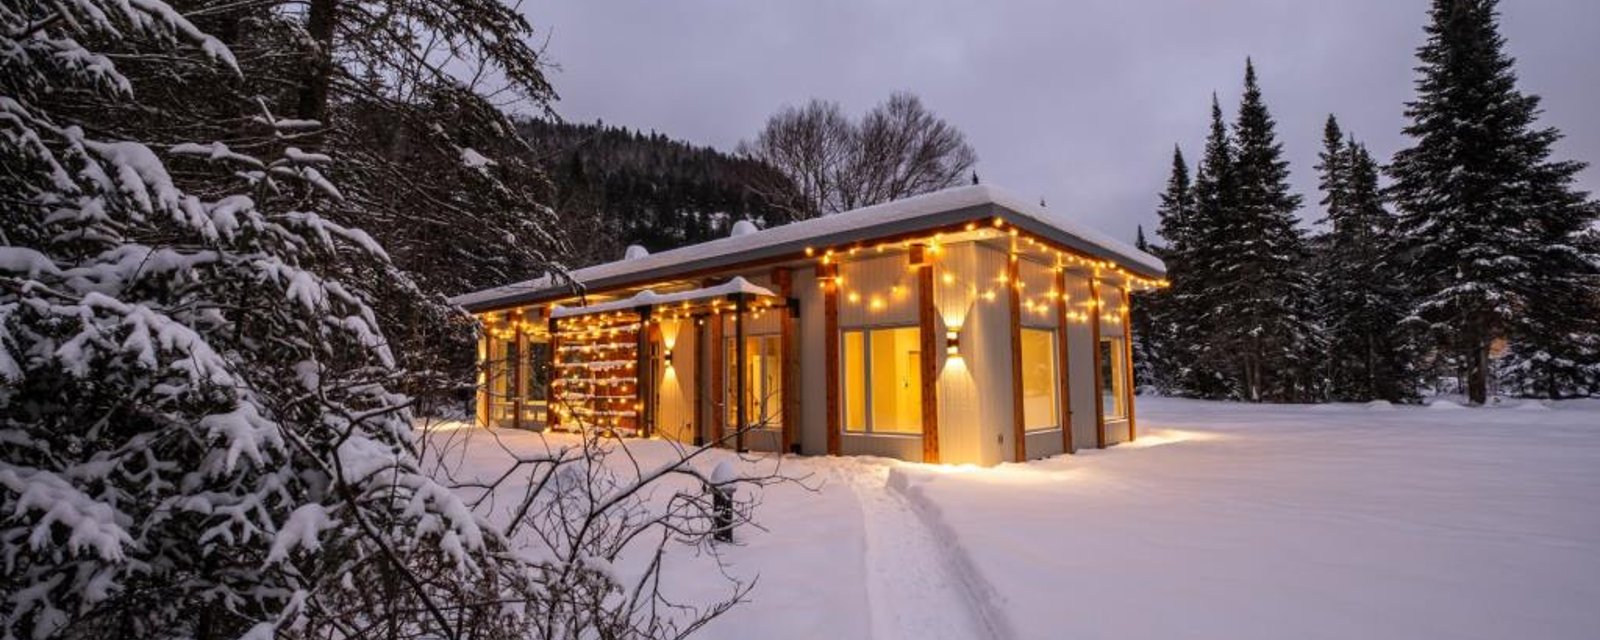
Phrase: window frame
(1116, 366)
(1050, 356)
(770, 398)
(868, 428)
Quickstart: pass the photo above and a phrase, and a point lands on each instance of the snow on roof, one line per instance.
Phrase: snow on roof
(928, 210)
(650, 298)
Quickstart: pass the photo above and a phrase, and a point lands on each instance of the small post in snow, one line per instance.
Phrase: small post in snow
(722, 501)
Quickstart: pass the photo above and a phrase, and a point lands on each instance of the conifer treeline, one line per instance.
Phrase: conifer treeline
(1487, 263)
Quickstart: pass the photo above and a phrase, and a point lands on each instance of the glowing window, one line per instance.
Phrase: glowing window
(882, 380)
(1113, 378)
(763, 379)
(1039, 408)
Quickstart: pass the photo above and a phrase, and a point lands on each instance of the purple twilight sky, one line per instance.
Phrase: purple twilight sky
(1075, 102)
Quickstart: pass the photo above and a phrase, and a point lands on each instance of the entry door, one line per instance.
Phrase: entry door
(763, 376)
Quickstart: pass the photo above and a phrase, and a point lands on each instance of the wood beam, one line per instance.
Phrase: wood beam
(551, 403)
(741, 391)
(521, 341)
(1019, 433)
(830, 321)
(1127, 346)
(701, 378)
(484, 376)
(718, 396)
(931, 341)
(1064, 362)
(1099, 382)
(788, 361)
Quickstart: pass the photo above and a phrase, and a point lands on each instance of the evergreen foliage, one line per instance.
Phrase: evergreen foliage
(1361, 289)
(1488, 220)
(617, 187)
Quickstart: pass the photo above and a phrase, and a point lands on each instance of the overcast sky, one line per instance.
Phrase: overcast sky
(1076, 102)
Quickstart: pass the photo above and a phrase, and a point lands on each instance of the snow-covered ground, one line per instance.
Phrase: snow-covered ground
(1222, 521)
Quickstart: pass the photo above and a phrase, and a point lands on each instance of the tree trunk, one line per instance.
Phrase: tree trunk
(313, 98)
(1478, 374)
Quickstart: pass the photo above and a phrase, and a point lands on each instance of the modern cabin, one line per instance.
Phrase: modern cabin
(962, 326)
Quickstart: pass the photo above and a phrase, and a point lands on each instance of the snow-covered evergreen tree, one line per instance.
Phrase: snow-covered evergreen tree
(197, 438)
(1489, 220)
(1199, 359)
(1262, 292)
(1155, 309)
(1362, 293)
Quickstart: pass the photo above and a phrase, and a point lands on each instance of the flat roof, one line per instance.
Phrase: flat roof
(940, 208)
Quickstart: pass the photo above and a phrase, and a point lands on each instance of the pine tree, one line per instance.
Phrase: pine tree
(1362, 294)
(1489, 221)
(1263, 294)
(1199, 359)
(1155, 308)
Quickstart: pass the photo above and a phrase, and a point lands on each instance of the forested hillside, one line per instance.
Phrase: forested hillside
(617, 186)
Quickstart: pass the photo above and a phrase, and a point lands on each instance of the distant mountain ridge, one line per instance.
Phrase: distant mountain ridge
(617, 186)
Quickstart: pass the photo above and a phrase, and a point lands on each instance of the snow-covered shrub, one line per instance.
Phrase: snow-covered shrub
(197, 432)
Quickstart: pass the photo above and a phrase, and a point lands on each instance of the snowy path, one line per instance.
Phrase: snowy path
(916, 589)
(1223, 521)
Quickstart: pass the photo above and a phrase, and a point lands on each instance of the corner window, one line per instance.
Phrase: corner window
(882, 380)
(1040, 410)
(1113, 378)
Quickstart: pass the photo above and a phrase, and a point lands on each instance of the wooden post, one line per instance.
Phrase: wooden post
(717, 393)
(552, 417)
(1099, 382)
(1127, 347)
(788, 407)
(1014, 306)
(741, 404)
(517, 378)
(931, 340)
(643, 375)
(485, 347)
(701, 378)
(1064, 362)
(830, 322)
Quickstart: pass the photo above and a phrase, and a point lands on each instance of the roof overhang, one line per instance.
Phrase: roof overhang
(945, 210)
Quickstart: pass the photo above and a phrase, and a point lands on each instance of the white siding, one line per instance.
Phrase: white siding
(1081, 363)
(675, 411)
(810, 331)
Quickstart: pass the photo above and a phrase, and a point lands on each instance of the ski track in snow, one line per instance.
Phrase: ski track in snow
(915, 586)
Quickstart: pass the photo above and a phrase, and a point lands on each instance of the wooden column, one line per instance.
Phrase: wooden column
(552, 418)
(718, 396)
(1064, 362)
(788, 356)
(830, 322)
(485, 347)
(931, 339)
(1127, 348)
(644, 375)
(1099, 383)
(1019, 449)
(741, 392)
(520, 339)
(701, 378)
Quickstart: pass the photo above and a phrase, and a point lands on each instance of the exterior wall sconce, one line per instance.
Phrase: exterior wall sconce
(952, 343)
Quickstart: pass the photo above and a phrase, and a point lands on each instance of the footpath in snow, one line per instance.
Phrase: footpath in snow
(1223, 521)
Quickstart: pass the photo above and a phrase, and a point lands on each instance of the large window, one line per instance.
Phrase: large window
(1039, 409)
(763, 379)
(883, 380)
(1113, 378)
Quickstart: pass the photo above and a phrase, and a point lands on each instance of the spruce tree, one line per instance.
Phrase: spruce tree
(1199, 359)
(1361, 294)
(1156, 307)
(1489, 221)
(1263, 294)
